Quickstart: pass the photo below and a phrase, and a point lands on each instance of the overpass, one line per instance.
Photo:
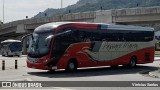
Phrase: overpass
(136, 15)
(17, 29)
(119, 16)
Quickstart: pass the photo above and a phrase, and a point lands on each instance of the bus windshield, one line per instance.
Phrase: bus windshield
(15, 46)
(38, 47)
(11, 47)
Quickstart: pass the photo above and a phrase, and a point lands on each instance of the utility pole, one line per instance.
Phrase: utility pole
(61, 10)
(3, 11)
(61, 4)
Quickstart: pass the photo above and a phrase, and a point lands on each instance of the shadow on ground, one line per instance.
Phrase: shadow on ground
(94, 72)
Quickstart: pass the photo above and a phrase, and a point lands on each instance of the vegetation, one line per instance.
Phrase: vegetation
(93, 5)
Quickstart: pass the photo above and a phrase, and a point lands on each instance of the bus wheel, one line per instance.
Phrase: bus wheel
(72, 66)
(133, 62)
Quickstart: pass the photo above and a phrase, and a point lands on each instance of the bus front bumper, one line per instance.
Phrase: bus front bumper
(39, 66)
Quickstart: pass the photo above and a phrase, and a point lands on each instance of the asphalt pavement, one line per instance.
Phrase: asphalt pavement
(140, 73)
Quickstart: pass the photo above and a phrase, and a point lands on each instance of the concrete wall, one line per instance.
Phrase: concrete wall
(136, 15)
(103, 16)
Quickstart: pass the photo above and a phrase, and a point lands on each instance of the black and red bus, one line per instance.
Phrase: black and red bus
(72, 45)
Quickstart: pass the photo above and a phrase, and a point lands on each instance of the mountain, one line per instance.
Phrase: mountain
(50, 12)
(93, 5)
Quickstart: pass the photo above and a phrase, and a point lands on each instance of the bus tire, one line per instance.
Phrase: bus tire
(133, 62)
(72, 66)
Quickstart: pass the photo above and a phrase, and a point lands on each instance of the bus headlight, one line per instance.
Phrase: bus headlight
(45, 61)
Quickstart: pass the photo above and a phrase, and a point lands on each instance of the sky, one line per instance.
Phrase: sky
(19, 9)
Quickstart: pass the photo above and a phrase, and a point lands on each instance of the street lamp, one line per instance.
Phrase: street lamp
(61, 10)
(61, 4)
(3, 11)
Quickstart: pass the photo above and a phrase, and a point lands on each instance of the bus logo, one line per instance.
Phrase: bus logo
(6, 84)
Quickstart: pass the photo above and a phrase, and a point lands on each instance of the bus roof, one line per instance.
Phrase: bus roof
(10, 40)
(103, 26)
(50, 26)
(126, 27)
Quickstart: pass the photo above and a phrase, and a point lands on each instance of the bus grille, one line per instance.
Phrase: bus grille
(32, 60)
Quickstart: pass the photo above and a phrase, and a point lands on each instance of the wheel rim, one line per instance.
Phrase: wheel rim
(133, 62)
(71, 66)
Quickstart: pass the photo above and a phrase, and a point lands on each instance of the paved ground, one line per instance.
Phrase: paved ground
(10, 62)
(156, 73)
(139, 73)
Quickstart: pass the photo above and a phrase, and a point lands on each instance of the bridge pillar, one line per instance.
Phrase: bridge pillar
(103, 16)
(20, 28)
(24, 49)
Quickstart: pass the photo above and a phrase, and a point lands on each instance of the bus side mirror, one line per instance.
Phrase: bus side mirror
(26, 37)
(68, 31)
(48, 39)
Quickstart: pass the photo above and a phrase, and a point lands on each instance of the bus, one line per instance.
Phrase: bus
(11, 47)
(72, 45)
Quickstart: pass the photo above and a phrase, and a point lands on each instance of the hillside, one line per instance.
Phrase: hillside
(93, 5)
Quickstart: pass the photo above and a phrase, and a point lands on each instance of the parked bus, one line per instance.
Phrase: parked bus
(11, 48)
(72, 45)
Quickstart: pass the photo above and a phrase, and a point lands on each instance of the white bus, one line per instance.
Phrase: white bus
(11, 48)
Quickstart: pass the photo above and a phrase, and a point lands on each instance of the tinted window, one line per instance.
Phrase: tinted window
(88, 35)
(63, 40)
(119, 35)
(83, 35)
(16, 46)
(139, 36)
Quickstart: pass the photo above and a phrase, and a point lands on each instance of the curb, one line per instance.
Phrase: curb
(155, 74)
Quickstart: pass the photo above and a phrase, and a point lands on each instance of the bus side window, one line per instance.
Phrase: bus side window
(75, 36)
(81, 35)
(130, 36)
(86, 36)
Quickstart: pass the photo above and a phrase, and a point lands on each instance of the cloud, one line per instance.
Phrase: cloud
(19, 9)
